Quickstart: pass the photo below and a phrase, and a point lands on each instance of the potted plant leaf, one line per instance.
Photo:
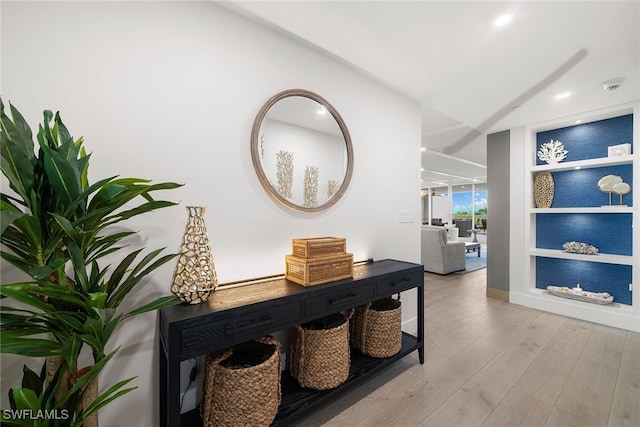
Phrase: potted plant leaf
(59, 230)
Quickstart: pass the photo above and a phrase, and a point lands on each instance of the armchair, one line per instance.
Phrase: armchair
(440, 255)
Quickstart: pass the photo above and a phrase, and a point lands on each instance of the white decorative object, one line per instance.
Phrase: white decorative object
(619, 150)
(579, 294)
(311, 186)
(580, 248)
(284, 172)
(332, 187)
(452, 233)
(621, 189)
(552, 152)
(606, 183)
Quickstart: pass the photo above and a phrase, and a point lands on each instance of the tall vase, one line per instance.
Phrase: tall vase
(195, 277)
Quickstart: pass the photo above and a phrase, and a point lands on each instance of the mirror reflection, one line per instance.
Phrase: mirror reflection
(301, 151)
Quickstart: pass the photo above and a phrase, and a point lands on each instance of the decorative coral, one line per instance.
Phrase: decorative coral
(552, 152)
(580, 248)
(310, 186)
(332, 187)
(284, 172)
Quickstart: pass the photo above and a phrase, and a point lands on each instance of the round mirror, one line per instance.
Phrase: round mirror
(301, 151)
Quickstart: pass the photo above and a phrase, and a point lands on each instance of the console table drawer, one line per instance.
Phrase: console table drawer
(399, 283)
(338, 300)
(207, 337)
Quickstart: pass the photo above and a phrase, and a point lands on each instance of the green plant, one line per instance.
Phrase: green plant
(58, 228)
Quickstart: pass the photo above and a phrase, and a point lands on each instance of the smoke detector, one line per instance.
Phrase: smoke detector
(613, 84)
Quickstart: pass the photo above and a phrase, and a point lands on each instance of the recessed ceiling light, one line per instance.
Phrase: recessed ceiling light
(423, 149)
(502, 20)
(563, 95)
(578, 121)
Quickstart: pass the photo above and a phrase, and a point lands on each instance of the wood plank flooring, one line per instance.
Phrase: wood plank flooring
(490, 363)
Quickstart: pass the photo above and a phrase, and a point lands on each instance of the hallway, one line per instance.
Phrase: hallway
(490, 363)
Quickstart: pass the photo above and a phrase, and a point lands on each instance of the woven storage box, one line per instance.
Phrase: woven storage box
(320, 358)
(376, 328)
(317, 247)
(315, 271)
(242, 396)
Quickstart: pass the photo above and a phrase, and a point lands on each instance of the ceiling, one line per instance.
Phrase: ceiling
(472, 77)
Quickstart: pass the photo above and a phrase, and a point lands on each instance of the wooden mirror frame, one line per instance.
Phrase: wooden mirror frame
(255, 156)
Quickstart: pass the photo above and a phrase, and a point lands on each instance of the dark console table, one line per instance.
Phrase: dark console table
(238, 314)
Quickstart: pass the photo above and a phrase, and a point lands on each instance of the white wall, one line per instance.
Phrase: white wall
(168, 91)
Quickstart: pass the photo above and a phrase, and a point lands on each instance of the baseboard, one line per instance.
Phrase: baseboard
(498, 294)
(410, 326)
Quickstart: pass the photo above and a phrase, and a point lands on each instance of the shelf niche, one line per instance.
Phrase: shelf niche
(592, 276)
(581, 212)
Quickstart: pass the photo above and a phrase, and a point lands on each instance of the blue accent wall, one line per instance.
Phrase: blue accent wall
(610, 233)
(589, 140)
(592, 276)
(579, 188)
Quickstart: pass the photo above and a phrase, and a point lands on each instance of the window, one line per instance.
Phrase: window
(469, 202)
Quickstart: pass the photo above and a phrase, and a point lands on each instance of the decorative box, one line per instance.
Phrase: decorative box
(315, 271)
(619, 150)
(316, 247)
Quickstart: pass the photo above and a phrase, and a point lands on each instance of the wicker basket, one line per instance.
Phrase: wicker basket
(320, 358)
(376, 328)
(317, 247)
(315, 271)
(242, 396)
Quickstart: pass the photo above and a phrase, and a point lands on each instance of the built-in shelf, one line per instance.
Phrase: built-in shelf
(608, 209)
(574, 195)
(585, 164)
(603, 258)
(614, 307)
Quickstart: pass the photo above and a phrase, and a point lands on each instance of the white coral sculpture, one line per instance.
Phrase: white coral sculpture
(552, 152)
(310, 186)
(284, 172)
(332, 187)
(580, 248)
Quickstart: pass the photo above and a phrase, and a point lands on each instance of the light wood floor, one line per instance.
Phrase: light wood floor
(490, 363)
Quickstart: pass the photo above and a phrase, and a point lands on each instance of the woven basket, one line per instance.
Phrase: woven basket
(376, 328)
(321, 358)
(242, 396)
